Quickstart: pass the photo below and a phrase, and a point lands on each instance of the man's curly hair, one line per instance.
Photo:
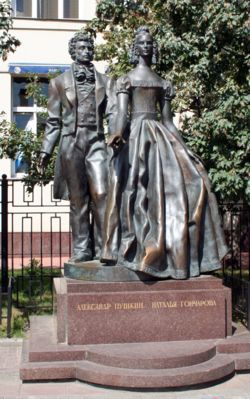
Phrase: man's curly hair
(80, 36)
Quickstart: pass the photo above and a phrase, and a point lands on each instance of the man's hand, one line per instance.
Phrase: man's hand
(116, 142)
(43, 162)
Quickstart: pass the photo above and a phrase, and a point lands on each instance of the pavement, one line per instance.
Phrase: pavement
(11, 387)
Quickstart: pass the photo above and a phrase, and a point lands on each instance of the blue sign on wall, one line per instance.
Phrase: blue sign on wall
(37, 68)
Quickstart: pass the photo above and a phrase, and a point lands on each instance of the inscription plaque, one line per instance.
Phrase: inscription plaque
(105, 313)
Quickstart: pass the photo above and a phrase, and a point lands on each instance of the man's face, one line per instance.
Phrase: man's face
(84, 52)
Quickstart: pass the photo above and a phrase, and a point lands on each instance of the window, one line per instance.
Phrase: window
(23, 121)
(54, 9)
(70, 9)
(47, 9)
(19, 93)
(22, 8)
(26, 114)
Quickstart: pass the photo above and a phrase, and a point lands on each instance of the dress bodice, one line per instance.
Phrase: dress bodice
(145, 96)
(145, 99)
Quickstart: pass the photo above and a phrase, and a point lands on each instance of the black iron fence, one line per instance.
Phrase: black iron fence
(236, 265)
(36, 241)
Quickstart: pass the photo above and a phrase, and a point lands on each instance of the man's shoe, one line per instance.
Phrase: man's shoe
(108, 262)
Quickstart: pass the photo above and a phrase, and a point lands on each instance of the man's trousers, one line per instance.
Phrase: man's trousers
(84, 167)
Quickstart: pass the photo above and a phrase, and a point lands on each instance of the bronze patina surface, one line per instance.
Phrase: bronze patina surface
(161, 218)
(77, 105)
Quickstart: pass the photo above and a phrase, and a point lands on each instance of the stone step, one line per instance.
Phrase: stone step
(242, 361)
(215, 369)
(176, 364)
(156, 355)
(43, 347)
(232, 345)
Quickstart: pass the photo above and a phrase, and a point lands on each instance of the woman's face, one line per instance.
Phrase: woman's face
(144, 45)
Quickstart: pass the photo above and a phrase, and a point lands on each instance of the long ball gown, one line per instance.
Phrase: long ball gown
(162, 218)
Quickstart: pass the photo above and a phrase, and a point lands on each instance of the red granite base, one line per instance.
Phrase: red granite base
(129, 312)
(154, 334)
(132, 365)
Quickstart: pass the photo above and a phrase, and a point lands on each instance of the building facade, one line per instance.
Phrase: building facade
(44, 28)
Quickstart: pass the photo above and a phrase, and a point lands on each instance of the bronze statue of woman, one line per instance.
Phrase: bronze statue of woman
(162, 218)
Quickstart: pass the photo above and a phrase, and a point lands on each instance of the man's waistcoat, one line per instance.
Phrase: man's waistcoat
(62, 107)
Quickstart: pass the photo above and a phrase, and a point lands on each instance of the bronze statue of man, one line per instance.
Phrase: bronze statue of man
(76, 106)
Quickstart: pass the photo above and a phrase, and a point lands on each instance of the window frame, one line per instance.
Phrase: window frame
(60, 11)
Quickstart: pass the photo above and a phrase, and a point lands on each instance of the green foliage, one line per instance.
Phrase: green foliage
(204, 50)
(8, 42)
(15, 141)
(34, 286)
(33, 269)
(19, 324)
(34, 297)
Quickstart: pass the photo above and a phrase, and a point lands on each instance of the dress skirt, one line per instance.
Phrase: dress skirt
(161, 218)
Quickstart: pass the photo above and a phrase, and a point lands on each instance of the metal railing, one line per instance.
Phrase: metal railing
(35, 240)
(34, 226)
(236, 265)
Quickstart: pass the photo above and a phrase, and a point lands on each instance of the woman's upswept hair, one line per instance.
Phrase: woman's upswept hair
(133, 54)
(80, 36)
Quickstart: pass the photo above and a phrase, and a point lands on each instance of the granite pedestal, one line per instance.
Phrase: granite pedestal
(135, 334)
(153, 311)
